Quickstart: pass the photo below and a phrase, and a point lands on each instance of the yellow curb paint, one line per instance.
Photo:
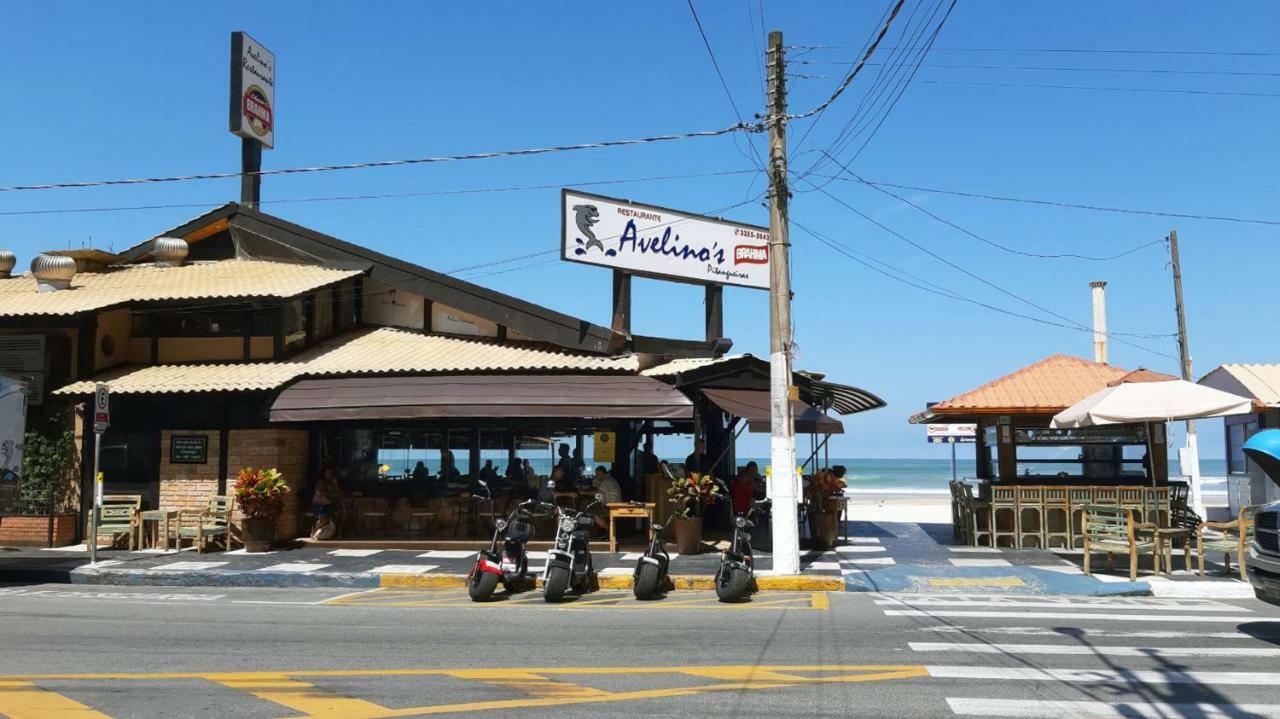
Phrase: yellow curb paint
(768, 583)
(24, 700)
(428, 581)
(306, 698)
(975, 582)
(799, 583)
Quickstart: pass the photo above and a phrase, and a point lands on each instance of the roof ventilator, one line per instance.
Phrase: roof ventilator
(53, 272)
(7, 261)
(168, 251)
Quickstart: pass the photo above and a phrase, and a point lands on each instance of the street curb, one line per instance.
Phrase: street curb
(767, 583)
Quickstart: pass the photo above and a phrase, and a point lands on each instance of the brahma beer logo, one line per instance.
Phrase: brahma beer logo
(751, 255)
(257, 110)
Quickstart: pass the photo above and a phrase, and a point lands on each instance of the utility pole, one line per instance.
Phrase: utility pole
(783, 482)
(1189, 456)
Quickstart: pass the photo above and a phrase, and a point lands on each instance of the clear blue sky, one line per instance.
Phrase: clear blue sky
(96, 91)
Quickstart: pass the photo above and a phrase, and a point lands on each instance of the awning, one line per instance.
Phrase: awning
(753, 406)
(497, 396)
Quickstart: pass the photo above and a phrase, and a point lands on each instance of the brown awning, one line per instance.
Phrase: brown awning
(498, 396)
(753, 406)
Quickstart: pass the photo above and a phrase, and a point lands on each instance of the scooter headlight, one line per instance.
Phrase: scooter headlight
(567, 524)
(501, 524)
(741, 522)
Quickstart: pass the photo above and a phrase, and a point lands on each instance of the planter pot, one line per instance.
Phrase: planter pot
(822, 527)
(257, 534)
(688, 535)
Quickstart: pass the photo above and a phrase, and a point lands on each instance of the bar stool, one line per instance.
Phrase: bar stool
(1057, 504)
(1106, 496)
(1004, 502)
(1031, 499)
(958, 525)
(420, 519)
(979, 519)
(1077, 499)
(1155, 509)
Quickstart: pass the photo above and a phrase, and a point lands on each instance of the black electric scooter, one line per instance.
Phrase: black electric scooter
(737, 566)
(569, 563)
(650, 578)
(512, 563)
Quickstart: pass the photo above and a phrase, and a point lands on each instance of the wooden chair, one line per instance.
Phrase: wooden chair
(1156, 506)
(420, 519)
(1234, 537)
(1057, 505)
(207, 525)
(1106, 496)
(1078, 498)
(958, 524)
(119, 515)
(978, 518)
(1111, 530)
(1004, 502)
(1031, 500)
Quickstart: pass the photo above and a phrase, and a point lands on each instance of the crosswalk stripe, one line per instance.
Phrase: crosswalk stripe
(1091, 632)
(1105, 710)
(1115, 676)
(976, 614)
(1111, 651)
(1051, 603)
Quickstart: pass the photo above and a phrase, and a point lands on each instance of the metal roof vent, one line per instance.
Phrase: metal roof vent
(168, 251)
(53, 272)
(7, 261)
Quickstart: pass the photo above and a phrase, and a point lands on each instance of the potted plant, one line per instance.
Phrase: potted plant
(690, 496)
(823, 505)
(260, 496)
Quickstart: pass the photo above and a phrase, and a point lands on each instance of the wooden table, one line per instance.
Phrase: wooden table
(158, 516)
(626, 510)
(1164, 547)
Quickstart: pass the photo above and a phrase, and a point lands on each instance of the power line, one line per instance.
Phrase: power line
(740, 127)
(1057, 203)
(960, 268)
(384, 196)
(1042, 68)
(1079, 51)
(1160, 91)
(926, 286)
(993, 243)
(723, 83)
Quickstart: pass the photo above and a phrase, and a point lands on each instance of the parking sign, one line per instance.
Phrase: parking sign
(101, 407)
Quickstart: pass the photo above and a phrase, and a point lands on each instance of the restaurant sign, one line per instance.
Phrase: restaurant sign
(253, 90)
(657, 242)
(189, 449)
(951, 433)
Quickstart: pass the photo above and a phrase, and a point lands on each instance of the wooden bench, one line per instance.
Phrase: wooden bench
(1233, 537)
(1112, 529)
(207, 524)
(118, 515)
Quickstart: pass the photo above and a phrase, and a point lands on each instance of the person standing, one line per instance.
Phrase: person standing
(696, 462)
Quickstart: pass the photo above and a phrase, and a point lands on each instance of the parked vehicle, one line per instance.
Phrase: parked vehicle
(569, 563)
(512, 563)
(1264, 556)
(650, 578)
(737, 565)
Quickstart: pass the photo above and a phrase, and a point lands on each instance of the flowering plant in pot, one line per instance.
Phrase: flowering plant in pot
(260, 495)
(690, 496)
(821, 498)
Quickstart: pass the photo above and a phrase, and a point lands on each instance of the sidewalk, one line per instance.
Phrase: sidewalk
(878, 557)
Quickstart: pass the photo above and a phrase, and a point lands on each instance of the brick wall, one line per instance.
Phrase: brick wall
(188, 486)
(34, 531)
(284, 449)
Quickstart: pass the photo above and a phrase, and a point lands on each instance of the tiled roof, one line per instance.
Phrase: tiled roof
(1260, 381)
(142, 283)
(382, 350)
(1048, 386)
(675, 367)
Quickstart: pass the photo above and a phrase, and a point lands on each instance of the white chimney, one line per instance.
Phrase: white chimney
(1099, 321)
(53, 272)
(7, 261)
(168, 251)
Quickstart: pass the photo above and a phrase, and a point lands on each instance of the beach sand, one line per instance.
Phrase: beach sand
(930, 508)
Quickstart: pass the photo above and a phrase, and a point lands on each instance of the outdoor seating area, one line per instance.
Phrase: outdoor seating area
(122, 516)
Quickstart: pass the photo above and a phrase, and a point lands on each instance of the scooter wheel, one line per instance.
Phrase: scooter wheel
(556, 584)
(482, 585)
(734, 586)
(648, 583)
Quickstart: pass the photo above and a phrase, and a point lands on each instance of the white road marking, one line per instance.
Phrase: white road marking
(242, 551)
(1114, 676)
(1091, 632)
(860, 540)
(964, 562)
(860, 549)
(616, 571)
(73, 548)
(446, 554)
(1184, 618)
(1216, 590)
(541, 556)
(403, 569)
(1060, 568)
(354, 552)
(974, 550)
(188, 566)
(1105, 710)
(293, 567)
(1090, 649)
(98, 594)
(631, 556)
(820, 566)
(1136, 603)
(857, 561)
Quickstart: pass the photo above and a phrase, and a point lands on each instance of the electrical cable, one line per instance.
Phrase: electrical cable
(740, 127)
(1041, 68)
(1160, 91)
(1086, 51)
(715, 64)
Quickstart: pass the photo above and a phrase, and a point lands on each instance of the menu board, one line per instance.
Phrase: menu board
(189, 449)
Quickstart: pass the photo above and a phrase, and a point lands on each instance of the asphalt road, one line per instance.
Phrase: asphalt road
(177, 652)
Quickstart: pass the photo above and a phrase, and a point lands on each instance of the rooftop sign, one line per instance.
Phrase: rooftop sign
(653, 241)
(253, 90)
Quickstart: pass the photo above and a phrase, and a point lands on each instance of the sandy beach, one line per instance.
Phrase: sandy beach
(922, 507)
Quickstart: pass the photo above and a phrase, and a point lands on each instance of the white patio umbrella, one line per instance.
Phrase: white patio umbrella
(1130, 402)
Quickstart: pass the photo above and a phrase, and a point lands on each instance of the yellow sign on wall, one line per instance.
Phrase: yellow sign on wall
(604, 447)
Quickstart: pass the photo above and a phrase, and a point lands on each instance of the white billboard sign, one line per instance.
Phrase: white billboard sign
(13, 422)
(951, 433)
(253, 90)
(658, 242)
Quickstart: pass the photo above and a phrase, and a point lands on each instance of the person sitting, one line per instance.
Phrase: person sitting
(323, 499)
(610, 492)
(530, 479)
(545, 492)
(743, 489)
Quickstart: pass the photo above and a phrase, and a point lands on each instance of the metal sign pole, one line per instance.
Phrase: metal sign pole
(97, 500)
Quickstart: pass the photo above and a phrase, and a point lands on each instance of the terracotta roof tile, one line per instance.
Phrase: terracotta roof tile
(1048, 386)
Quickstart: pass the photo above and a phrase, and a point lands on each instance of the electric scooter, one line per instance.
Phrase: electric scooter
(569, 563)
(737, 566)
(511, 564)
(650, 578)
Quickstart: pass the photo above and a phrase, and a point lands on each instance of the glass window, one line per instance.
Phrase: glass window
(129, 463)
(226, 322)
(1237, 435)
(295, 326)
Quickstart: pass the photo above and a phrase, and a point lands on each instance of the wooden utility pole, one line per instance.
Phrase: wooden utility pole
(783, 483)
(1189, 457)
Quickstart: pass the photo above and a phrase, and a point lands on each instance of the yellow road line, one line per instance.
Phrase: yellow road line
(24, 700)
(820, 600)
(306, 698)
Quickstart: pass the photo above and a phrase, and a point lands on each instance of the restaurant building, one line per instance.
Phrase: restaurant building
(1261, 383)
(240, 339)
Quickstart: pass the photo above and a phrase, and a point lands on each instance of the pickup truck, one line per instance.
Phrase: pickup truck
(1264, 556)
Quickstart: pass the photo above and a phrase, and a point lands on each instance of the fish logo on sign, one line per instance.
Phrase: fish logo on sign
(584, 216)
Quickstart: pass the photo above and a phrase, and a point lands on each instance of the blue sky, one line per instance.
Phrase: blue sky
(96, 91)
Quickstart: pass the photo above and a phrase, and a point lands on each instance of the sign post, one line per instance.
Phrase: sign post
(952, 434)
(253, 102)
(101, 420)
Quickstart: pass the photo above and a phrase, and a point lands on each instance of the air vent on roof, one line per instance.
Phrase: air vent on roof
(7, 261)
(169, 251)
(53, 272)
